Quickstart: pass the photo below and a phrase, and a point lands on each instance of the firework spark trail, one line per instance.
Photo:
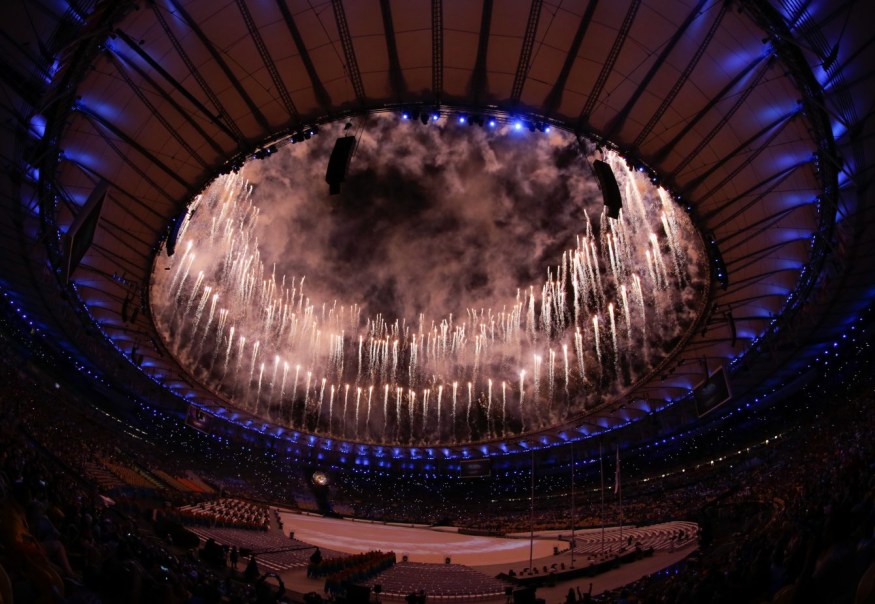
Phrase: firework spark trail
(228, 353)
(385, 407)
(596, 275)
(241, 348)
(412, 364)
(615, 268)
(359, 374)
(411, 408)
(331, 392)
(258, 395)
(615, 351)
(503, 408)
(358, 399)
(453, 425)
(200, 310)
(345, 403)
(639, 296)
(283, 386)
(185, 261)
(368, 416)
(658, 262)
(276, 364)
(425, 395)
(576, 282)
(669, 233)
(551, 376)
(674, 234)
(398, 393)
(489, 425)
(220, 328)
(651, 270)
(522, 398)
(253, 359)
(536, 376)
(440, 394)
(295, 389)
(306, 399)
(565, 364)
(321, 400)
(186, 272)
(468, 410)
(627, 314)
(595, 328)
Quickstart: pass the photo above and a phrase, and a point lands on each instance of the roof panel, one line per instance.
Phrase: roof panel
(727, 176)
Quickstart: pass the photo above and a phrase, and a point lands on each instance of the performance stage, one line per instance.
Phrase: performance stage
(419, 544)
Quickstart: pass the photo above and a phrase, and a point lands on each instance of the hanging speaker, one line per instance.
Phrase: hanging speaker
(610, 188)
(79, 236)
(338, 163)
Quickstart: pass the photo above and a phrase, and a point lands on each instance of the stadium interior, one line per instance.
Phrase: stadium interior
(406, 300)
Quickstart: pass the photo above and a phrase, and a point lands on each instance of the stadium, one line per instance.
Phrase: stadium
(402, 300)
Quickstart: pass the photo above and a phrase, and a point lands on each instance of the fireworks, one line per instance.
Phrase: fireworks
(637, 267)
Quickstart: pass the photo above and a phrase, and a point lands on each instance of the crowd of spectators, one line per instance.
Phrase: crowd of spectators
(66, 539)
(801, 530)
(62, 541)
(787, 521)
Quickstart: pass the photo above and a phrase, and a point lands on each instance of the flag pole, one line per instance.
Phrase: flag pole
(572, 504)
(619, 491)
(532, 514)
(602, 472)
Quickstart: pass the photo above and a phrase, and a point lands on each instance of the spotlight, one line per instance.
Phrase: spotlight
(492, 123)
(462, 119)
(435, 116)
(405, 116)
(546, 128)
(517, 125)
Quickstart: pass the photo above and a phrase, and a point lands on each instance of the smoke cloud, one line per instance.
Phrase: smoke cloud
(431, 219)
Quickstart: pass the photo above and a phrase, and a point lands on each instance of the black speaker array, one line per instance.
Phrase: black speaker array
(610, 188)
(338, 163)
